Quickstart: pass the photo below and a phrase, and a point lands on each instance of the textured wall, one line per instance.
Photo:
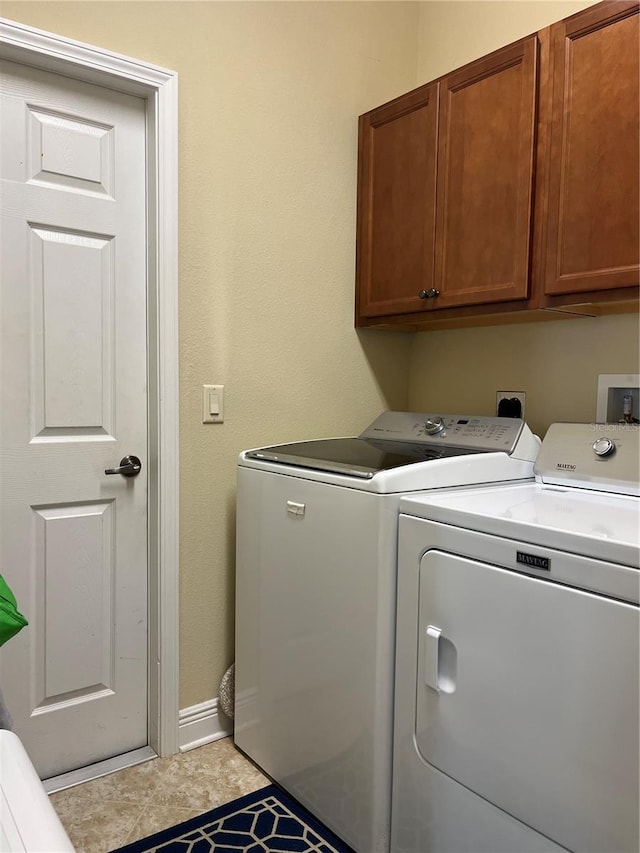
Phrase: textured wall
(556, 363)
(453, 33)
(269, 99)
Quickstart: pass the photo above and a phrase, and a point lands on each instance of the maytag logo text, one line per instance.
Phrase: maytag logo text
(533, 561)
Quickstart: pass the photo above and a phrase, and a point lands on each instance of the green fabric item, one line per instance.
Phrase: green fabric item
(11, 620)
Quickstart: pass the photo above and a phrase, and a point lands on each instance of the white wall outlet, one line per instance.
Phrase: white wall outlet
(510, 401)
(212, 404)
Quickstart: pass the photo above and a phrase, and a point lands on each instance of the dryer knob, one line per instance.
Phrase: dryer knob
(432, 426)
(603, 446)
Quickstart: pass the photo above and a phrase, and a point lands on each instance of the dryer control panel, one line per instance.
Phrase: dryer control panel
(604, 457)
(474, 433)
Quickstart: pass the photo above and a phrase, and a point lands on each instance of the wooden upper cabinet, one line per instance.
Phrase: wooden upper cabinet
(485, 178)
(396, 204)
(444, 190)
(509, 185)
(592, 204)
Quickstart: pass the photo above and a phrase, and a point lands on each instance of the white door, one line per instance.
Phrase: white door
(73, 540)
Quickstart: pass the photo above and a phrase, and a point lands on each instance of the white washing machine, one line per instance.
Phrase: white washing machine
(315, 600)
(516, 709)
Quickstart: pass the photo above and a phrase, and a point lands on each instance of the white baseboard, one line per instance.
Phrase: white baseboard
(202, 724)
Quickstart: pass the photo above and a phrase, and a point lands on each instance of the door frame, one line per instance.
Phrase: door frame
(159, 87)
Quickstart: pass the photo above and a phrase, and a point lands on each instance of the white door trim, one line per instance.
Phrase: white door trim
(29, 46)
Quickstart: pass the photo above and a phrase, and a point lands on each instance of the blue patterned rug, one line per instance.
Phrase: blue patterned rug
(266, 821)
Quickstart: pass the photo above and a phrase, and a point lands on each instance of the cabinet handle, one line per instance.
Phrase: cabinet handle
(428, 294)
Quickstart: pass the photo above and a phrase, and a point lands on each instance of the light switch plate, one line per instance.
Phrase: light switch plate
(212, 404)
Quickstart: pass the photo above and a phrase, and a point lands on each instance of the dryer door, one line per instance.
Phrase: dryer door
(528, 695)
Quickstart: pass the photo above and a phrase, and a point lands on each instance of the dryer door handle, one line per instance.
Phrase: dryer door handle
(440, 661)
(431, 645)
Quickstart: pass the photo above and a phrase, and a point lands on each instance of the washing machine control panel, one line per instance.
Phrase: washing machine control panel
(471, 433)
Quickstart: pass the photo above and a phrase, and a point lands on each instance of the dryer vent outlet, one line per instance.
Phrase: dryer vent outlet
(510, 404)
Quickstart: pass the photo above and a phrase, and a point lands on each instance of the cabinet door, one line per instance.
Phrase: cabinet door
(593, 197)
(485, 178)
(396, 204)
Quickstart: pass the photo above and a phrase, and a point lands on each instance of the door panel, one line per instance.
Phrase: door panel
(73, 544)
(74, 549)
(537, 702)
(72, 283)
(70, 152)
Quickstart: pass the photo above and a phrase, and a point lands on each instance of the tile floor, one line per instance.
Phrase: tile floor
(106, 813)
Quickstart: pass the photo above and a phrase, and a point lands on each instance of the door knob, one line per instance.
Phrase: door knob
(428, 294)
(130, 466)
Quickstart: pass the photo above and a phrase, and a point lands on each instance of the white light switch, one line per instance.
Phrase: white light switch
(212, 404)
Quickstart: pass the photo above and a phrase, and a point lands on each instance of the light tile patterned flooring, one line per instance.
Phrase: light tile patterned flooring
(106, 813)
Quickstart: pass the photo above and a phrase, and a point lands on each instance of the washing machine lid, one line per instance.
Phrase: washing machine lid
(355, 457)
(397, 439)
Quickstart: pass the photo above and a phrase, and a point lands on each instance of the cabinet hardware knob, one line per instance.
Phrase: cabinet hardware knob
(428, 294)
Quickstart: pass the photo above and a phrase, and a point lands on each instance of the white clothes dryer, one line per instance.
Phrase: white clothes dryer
(517, 658)
(316, 600)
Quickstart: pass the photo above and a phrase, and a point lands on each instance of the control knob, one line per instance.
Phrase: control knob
(432, 426)
(603, 446)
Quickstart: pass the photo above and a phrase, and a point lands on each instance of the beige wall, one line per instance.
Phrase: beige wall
(556, 363)
(269, 99)
(453, 32)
